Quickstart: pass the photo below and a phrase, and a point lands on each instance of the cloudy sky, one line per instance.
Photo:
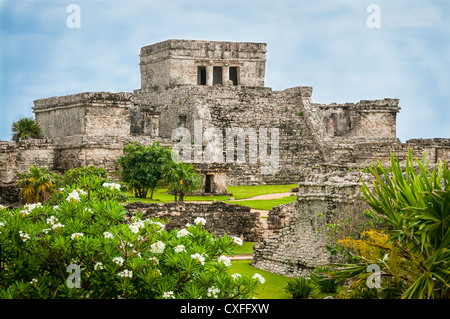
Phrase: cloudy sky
(324, 44)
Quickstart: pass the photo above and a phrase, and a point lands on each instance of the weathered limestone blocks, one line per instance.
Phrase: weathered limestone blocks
(299, 247)
(17, 157)
(221, 218)
(174, 62)
(86, 114)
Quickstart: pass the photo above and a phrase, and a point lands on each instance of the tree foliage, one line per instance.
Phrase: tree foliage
(142, 167)
(182, 178)
(44, 245)
(38, 184)
(25, 128)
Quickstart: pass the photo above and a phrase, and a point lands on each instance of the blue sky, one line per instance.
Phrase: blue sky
(323, 44)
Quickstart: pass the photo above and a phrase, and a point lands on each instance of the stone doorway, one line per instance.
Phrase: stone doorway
(209, 182)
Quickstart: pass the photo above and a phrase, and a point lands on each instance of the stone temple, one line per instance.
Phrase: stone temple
(221, 85)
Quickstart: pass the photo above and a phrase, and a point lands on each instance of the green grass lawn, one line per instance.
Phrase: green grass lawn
(242, 192)
(273, 286)
(266, 204)
(161, 196)
(239, 192)
(245, 249)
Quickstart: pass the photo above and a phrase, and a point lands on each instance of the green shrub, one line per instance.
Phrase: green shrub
(299, 287)
(74, 176)
(412, 254)
(45, 248)
(322, 281)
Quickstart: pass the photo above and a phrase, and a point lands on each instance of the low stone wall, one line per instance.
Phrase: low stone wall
(221, 218)
(9, 194)
(298, 247)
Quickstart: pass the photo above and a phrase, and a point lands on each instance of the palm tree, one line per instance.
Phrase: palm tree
(37, 185)
(182, 178)
(25, 128)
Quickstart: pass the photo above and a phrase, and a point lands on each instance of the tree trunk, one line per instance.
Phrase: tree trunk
(151, 195)
(181, 196)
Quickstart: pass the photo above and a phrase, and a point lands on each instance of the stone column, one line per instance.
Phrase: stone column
(225, 74)
(209, 74)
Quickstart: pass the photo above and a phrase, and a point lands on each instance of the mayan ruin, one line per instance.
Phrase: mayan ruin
(209, 98)
(222, 85)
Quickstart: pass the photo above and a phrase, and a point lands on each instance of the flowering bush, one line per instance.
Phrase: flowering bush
(85, 247)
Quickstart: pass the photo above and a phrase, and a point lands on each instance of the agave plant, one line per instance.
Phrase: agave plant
(37, 185)
(415, 203)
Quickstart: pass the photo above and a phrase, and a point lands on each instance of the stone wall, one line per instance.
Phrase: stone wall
(17, 157)
(84, 114)
(176, 62)
(221, 218)
(299, 246)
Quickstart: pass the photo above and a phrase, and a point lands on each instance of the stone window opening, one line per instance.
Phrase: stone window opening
(217, 75)
(182, 119)
(201, 75)
(234, 70)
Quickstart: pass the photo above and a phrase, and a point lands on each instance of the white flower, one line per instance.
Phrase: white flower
(168, 295)
(259, 277)
(52, 220)
(180, 249)
(87, 209)
(157, 247)
(235, 276)
(199, 257)
(161, 226)
(225, 260)
(76, 236)
(154, 260)
(55, 207)
(126, 273)
(212, 292)
(200, 220)
(112, 186)
(75, 195)
(2, 207)
(98, 266)
(136, 225)
(183, 233)
(237, 241)
(24, 236)
(134, 228)
(57, 226)
(24, 213)
(2, 224)
(108, 235)
(118, 260)
(33, 281)
(46, 230)
(188, 225)
(30, 207)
